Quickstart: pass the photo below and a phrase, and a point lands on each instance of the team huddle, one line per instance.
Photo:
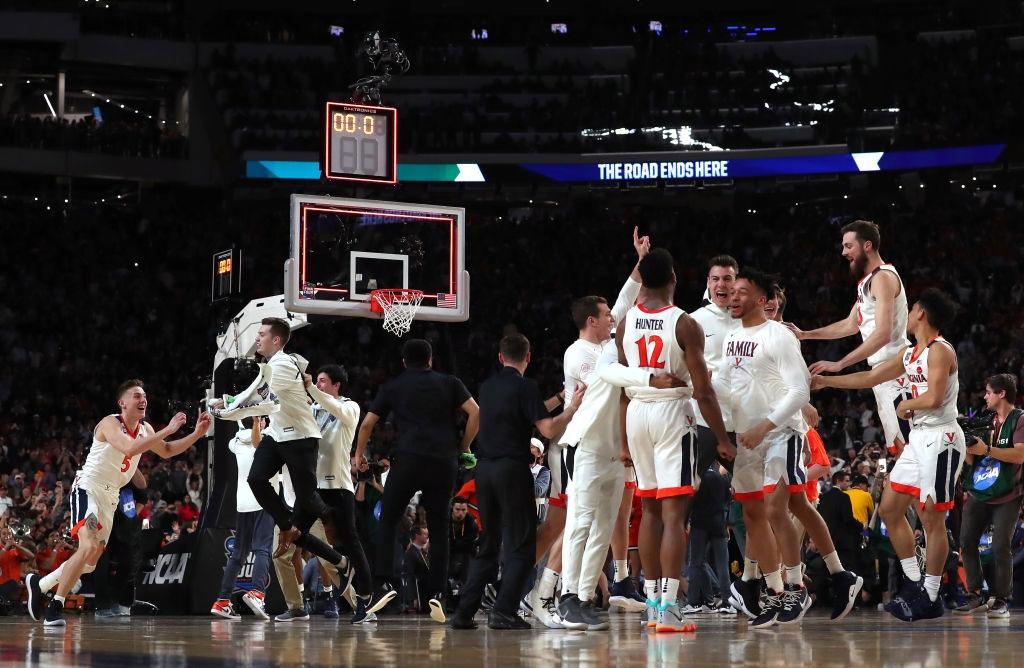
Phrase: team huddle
(729, 382)
(665, 398)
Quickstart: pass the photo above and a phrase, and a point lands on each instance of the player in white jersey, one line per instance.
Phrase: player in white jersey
(338, 418)
(765, 380)
(880, 315)
(592, 452)
(929, 466)
(118, 443)
(714, 318)
(659, 429)
(579, 361)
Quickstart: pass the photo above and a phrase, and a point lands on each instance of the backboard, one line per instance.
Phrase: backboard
(341, 249)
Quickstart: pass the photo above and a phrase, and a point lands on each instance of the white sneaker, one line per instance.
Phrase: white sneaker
(547, 614)
(534, 601)
(437, 610)
(254, 601)
(692, 610)
(670, 618)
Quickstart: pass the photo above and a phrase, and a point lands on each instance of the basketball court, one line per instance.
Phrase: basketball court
(864, 639)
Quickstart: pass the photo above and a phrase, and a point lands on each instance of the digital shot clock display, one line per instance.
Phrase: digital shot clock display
(361, 143)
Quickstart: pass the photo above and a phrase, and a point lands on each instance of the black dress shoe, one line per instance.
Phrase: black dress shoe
(460, 622)
(499, 621)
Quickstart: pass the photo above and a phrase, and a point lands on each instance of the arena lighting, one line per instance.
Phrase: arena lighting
(681, 136)
(121, 105)
(780, 79)
(50, 105)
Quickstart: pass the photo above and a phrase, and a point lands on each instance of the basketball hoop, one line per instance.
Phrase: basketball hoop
(398, 306)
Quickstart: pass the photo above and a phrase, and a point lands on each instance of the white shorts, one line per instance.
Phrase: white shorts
(663, 446)
(930, 465)
(85, 503)
(888, 396)
(779, 458)
(559, 475)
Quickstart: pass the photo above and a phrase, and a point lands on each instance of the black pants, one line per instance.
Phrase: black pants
(435, 477)
(977, 516)
(124, 548)
(707, 449)
(254, 532)
(342, 504)
(300, 456)
(504, 489)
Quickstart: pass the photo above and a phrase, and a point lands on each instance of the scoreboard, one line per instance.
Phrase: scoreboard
(361, 143)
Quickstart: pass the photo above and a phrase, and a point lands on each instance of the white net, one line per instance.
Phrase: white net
(399, 308)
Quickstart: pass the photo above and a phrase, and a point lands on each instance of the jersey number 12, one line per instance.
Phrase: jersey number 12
(651, 358)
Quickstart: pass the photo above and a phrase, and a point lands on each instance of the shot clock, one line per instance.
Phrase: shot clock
(361, 143)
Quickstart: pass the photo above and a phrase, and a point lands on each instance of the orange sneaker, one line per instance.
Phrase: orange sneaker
(222, 608)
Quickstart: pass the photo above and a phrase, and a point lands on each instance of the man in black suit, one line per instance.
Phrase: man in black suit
(836, 509)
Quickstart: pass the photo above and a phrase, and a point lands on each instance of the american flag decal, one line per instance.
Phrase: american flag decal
(445, 300)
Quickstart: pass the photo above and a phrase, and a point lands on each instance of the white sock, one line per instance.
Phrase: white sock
(652, 590)
(774, 580)
(546, 584)
(328, 589)
(59, 599)
(50, 581)
(911, 568)
(833, 563)
(932, 584)
(669, 591)
(621, 569)
(750, 570)
(794, 575)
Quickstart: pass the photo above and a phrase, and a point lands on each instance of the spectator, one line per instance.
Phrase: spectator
(369, 492)
(55, 552)
(187, 511)
(860, 498)
(464, 533)
(160, 519)
(709, 545)
(195, 490)
(836, 508)
(873, 432)
(417, 568)
(541, 474)
(6, 502)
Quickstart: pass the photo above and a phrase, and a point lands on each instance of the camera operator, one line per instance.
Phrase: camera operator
(993, 483)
